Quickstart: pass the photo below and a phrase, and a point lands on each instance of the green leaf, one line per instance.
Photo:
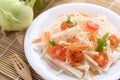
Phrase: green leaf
(68, 19)
(52, 42)
(70, 23)
(102, 42)
(105, 36)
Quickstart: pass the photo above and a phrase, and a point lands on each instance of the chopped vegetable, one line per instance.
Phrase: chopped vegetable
(76, 47)
(77, 57)
(101, 59)
(72, 40)
(66, 24)
(93, 38)
(16, 14)
(36, 40)
(114, 41)
(83, 47)
(58, 52)
(68, 19)
(102, 42)
(47, 36)
(92, 25)
(85, 14)
(52, 42)
(65, 35)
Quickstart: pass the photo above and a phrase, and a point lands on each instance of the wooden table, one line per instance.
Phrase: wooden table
(4, 67)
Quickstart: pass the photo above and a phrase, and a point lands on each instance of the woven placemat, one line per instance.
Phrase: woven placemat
(10, 44)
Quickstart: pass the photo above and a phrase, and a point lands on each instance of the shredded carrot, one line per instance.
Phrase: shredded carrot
(85, 14)
(72, 40)
(72, 14)
(91, 74)
(76, 47)
(93, 38)
(47, 36)
(95, 41)
(112, 64)
(74, 64)
(67, 56)
(36, 40)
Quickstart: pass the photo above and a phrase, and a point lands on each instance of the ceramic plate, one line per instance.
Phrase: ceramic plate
(45, 20)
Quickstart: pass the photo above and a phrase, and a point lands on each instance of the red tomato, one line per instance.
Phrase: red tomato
(58, 52)
(114, 41)
(92, 25)
(77, 58)
(65, 25)
(101, 59)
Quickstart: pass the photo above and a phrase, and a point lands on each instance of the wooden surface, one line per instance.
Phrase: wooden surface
(6, 67)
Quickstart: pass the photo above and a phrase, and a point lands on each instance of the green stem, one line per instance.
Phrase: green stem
(32, 2)
(27, 1)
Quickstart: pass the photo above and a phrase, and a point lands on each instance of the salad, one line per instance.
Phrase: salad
(80, 44)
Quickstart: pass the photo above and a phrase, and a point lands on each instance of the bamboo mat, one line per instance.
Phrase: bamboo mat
(10, 44)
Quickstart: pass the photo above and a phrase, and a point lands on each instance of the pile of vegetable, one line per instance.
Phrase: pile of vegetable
(16, 14)
(80, 44)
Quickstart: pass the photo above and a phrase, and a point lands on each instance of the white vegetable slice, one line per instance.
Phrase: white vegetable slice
(64, 35)
(66, 67)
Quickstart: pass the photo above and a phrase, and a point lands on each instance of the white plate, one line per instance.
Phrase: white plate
(45, 20)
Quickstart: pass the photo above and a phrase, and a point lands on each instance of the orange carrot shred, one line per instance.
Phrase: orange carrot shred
(91, 74)
(72, 40)
(77, 47)
(72, 14)
(36, 40)
(93, 38)
(85, 14)
(47, 36)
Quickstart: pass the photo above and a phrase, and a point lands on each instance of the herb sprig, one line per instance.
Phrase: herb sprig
(68, 19)
(102, 42)
(52, 42)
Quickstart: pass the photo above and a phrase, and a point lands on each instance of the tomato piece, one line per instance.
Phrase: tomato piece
(114, 41)
(92, 25)
(77, 57)
(101, 59)
(64, 25)
(58, 52)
